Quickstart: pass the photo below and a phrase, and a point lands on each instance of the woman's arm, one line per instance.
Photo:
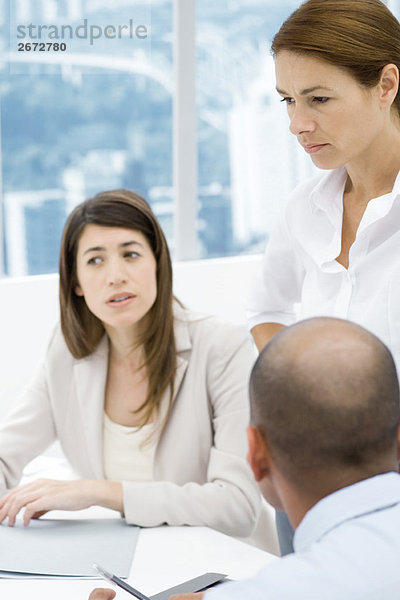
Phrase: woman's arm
(264, 332)
(42, 495)
(203, 476)
(26, 431)
(276, 287)
(30, 428)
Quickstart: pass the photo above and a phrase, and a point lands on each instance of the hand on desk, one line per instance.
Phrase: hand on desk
(42, 495)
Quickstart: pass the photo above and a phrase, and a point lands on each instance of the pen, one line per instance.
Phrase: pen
(117, 581)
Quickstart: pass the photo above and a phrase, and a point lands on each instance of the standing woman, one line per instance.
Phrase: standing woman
(336, 247)
(148, 400)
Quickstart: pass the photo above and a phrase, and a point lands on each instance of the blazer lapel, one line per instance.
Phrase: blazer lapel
(90, 379)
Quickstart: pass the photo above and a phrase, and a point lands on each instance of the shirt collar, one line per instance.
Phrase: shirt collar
(380, 206)
(328, 193)
(361, 498)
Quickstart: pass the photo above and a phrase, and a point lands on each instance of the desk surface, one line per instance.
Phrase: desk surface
(164, 557)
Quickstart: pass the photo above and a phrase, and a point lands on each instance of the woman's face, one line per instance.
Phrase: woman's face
(116, 271)
(334, 118)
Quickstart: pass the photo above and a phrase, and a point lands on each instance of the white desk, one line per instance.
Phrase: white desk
(164, 557)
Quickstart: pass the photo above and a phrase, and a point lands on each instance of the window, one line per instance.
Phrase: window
(394, 6)
(99, 115)
(248, 160)
(94, 114)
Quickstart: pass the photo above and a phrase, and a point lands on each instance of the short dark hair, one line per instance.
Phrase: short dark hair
(360, 36)
(325, 394)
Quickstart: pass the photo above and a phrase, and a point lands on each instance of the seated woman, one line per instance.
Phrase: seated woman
(148, 400)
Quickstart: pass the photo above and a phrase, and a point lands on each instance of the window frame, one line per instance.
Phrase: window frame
(184, 130)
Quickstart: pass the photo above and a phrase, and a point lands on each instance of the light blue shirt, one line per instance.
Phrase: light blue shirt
(346, 547)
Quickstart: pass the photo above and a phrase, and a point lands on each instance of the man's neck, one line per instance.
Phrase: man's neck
(298, 501)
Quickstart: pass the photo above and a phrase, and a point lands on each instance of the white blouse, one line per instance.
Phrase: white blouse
(128, 452)
(299, 276)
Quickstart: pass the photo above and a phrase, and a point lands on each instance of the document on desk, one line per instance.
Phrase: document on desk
(54, 548)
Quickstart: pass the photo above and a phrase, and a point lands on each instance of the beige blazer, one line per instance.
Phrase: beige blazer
(201, 476)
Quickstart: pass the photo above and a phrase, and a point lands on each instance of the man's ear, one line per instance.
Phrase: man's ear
(258, 456)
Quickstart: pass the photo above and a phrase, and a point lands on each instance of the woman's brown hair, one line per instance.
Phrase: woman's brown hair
(82, 330)
(360, 36)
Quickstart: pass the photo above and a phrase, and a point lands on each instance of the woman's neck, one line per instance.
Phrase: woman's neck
(374, 175)
(125, 348)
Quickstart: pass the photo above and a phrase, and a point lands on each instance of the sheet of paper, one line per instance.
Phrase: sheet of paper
(67, 547)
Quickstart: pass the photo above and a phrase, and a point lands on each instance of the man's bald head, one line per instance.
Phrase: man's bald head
(325, 395)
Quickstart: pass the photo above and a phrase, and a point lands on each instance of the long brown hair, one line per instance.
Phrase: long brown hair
(82, 330)
(360, 36)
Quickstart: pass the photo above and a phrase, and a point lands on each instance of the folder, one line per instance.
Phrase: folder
(54, 548)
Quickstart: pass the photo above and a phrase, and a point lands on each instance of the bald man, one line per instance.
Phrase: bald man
(323, 445)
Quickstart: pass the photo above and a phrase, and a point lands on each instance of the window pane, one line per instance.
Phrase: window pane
(248, 160)
(394, 6)
(93, 117)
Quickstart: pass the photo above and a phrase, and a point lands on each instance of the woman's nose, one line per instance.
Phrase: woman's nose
(116, 273)
(301, 121)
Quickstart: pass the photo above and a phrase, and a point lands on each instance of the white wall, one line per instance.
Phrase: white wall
(29, 309)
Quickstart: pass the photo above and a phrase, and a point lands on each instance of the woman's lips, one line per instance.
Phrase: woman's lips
(120, 300)
(312, 148)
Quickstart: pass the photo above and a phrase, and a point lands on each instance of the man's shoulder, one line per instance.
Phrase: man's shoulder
(347, 557)
(324, 571)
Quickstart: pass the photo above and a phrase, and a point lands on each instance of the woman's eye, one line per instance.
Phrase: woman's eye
(288, 100)
(132, 254)
(95, 260)
(320, 99)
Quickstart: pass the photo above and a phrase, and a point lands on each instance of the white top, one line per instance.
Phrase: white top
(128, 452)
(347, 547)
(299, 264)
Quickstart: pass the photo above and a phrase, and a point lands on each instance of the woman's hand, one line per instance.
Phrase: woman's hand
(43, 495)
